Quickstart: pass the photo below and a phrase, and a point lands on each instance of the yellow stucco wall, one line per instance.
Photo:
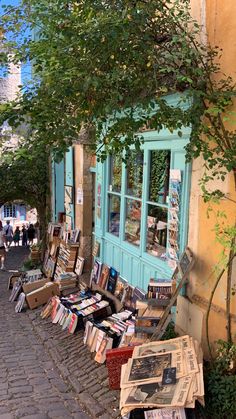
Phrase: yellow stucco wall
(218, 20)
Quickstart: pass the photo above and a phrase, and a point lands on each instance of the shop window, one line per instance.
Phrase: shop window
(114, 194)
(158, 192)
(141, 187)
(156, 230)
(134, 174)
(133, 221)
(159, 176)
(9, 211)
(114, 214)
(115, 174)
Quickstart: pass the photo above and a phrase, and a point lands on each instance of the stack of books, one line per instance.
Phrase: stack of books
(71, 311)
(66, 259)
(66, 280)
(159, 289)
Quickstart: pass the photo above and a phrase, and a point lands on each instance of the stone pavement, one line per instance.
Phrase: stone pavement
(31, 385)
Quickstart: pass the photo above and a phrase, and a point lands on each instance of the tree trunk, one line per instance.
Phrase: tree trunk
(229, 291)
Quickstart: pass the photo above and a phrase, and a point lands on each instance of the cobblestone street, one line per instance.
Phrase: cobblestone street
(31, 385)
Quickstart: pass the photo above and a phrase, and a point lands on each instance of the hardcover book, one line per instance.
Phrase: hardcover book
(127, 300)
(104, 276)
(115, 358)
(111, 284)
(121, 285)
(96, 272)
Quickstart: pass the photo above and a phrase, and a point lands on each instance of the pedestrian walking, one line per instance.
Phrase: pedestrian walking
(8, 231)
(24, 236)
(16, 236)
(2, 245)
(31, 234)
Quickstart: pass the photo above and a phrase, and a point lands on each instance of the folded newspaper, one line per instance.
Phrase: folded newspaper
(165, 414)
(165, 375)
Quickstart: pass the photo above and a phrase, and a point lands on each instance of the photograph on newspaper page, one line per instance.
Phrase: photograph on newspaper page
(150, 368)
(156, 395)
(162, 346)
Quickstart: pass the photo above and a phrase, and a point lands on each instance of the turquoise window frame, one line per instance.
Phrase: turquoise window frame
(152, 141)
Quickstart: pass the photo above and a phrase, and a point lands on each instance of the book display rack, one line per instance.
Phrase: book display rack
(128, 339)
(60, 259)
(66, 258)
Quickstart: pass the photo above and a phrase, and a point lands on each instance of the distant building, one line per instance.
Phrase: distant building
(18, 214)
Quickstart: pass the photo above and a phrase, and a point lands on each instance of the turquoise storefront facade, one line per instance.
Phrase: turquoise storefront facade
(57, 201)
(134, 262)
(63, 183)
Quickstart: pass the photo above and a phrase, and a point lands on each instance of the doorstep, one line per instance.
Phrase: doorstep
(76, 364)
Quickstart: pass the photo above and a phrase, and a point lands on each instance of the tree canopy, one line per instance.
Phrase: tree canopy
(24, 177)
(92, 58)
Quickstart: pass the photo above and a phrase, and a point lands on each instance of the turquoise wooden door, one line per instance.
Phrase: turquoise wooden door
(69, 187)
(57, 200)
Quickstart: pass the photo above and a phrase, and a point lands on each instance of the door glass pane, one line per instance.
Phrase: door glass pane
(159, 176)
(133, 221)
(114, 214)
(115, 173)
(135, 174)
(156, 231)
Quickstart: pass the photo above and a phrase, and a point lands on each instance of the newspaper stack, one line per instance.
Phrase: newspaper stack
(163, 374)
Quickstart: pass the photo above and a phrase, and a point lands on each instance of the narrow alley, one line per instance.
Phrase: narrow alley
(30, 383)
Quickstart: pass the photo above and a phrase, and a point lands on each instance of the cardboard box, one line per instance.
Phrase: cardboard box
(31, 286)
(41, 296)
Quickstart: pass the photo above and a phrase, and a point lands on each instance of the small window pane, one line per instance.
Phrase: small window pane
(9, 211)
(114, 214)
(156, 231)
(159, 176)
(135, 174)
(133, 221)
(115, 173)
